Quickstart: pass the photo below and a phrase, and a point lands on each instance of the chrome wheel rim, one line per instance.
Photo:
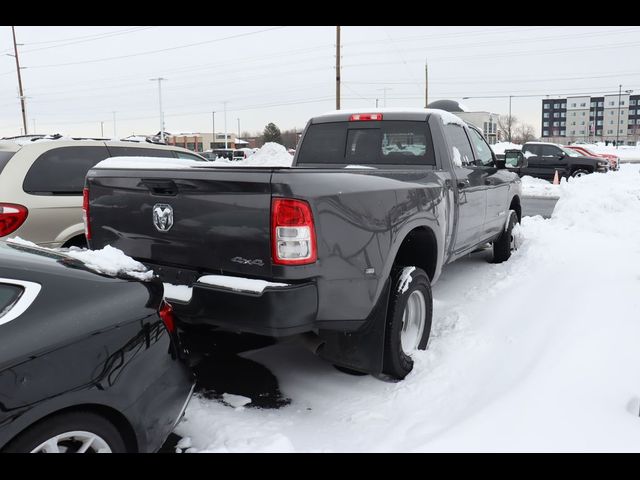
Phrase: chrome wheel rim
(74, 442)
(413, 320)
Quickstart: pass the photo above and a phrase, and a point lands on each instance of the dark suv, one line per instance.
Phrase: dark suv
(544, 159)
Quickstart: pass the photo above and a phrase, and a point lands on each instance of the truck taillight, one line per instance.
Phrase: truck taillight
(85, 213)
(293, 233)
(360, 117)
(166, 314)
(11, 217)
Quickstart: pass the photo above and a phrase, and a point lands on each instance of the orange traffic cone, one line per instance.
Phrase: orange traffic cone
(556, 179)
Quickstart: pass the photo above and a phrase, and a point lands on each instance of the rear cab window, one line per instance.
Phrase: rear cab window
(386, 142)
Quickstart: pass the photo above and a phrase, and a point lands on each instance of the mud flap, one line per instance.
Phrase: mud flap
(362, 350)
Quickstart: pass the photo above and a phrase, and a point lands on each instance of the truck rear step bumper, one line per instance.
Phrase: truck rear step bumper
(276, 312)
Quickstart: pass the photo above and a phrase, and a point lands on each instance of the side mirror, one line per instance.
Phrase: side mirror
(515, 159)
(561, 156)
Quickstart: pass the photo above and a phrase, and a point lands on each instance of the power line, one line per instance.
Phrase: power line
(87, 40)
(111, 32)
(151, 52)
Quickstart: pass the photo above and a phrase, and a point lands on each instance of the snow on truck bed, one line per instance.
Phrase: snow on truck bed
(536, 354)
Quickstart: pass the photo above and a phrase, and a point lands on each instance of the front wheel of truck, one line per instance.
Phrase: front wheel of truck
(408, 320)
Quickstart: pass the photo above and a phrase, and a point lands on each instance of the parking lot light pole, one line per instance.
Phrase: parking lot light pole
(159, 80)
(510, 96)
(213, 128)
(226, 145)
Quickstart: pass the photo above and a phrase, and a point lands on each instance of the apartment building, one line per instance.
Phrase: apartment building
(609, 118)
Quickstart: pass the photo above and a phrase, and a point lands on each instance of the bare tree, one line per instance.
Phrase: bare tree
(524, 133)
(506, 127)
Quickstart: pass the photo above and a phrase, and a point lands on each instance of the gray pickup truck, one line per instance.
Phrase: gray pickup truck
(341, 249)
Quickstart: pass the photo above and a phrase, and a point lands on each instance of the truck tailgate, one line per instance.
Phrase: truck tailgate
(218, 219)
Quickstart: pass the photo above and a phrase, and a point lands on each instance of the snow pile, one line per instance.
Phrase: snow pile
(499, 147)
(109, 260)
(270, 155)
(539, 353)
(537, 187)
(182, 293)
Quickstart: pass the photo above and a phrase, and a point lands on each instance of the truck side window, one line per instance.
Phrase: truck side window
(461, 153)
(531, 151)
(485, 158)
(550, 151)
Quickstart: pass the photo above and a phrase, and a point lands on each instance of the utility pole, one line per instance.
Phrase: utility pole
(337, 68)
(426, 84)
(159, 80)
(102, 129)
(376, 103)
(384, 94)
(238, 128)
(34, 125)
(22, 97)
(226, 145)
(114, 125)
(213, 128)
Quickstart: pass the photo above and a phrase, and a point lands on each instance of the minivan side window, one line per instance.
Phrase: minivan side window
(4, 159)
(188, 156)
(61, 171)
(140, 152)
(9, 295)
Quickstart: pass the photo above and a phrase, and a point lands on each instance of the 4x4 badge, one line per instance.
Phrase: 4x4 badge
(162, 217)
(246, 261)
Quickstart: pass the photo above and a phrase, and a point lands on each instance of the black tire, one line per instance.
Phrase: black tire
(397, 363)
(504, 245)
(579, 172)
(67, 422)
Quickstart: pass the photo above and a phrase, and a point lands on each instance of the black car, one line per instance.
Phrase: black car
(88, 362)
(544, 159)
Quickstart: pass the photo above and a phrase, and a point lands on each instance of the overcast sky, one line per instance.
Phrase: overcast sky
(75, 77)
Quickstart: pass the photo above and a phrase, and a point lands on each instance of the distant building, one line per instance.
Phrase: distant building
(199, 142)
(485, 121)
(586, 118)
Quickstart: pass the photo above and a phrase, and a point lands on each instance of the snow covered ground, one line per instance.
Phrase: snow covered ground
(537, 354)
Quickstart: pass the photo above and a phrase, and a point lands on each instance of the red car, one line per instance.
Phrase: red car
(613, 160)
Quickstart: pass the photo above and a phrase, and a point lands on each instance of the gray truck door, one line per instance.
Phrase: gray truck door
(471, 188)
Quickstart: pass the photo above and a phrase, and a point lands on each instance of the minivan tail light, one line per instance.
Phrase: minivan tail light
(166, 314)
(85, 213)
(12, 216)
(293, 233)
(359, 117)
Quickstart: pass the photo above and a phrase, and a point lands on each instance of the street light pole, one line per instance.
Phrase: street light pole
(510, 118)
(226, 145)
(114, 125)
(159, 80)
(213, 128)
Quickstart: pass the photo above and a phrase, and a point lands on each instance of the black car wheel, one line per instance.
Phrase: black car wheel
(70, 432)
(506, 244)
(408, 320)
(580, 173)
